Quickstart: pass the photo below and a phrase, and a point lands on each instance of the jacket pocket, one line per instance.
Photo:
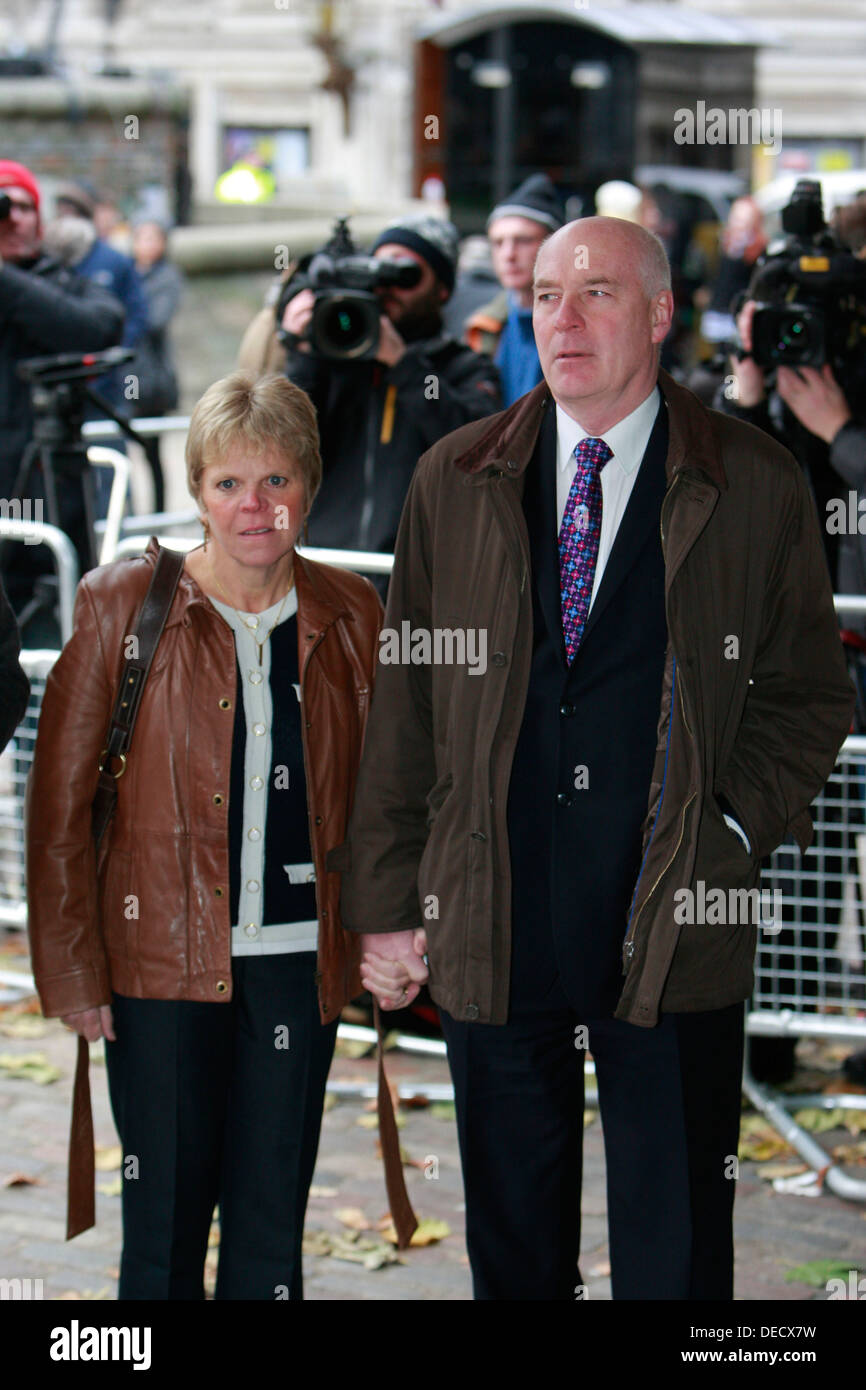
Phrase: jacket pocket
(339, 859)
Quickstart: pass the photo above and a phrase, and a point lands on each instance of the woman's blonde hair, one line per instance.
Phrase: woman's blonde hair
(268, 412)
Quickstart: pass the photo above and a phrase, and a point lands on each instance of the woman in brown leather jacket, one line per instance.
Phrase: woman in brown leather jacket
(197, 939)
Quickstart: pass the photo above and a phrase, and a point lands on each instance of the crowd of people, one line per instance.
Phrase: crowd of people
(295, 819)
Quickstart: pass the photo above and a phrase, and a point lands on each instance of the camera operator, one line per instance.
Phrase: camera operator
(378, 415)
(815, 410)
(44, 308)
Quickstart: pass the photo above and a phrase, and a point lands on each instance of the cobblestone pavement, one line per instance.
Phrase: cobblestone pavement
(774, 1232)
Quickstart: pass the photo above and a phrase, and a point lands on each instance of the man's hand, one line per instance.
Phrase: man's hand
(392, 968)
(815, 398)
(391, 347)
(297, 315)
(749, 377)
(92, 1023)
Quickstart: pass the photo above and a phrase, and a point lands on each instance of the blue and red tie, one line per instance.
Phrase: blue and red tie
(578, 540)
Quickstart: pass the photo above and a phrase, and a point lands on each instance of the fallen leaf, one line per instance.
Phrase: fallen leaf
(850, 1153)
(22, 1180)
(818, 1121)
(840, 1085)
(443, 1110)
(24, 1026)
(354, 1218)
(428, 1232)
(589, 1118)
(416, 1102)
(112, 1188)
(30, 1066)
(854, 1121)
(770, 1171)
(759, 1141)
(351, 1246)
(330, 1101)
(816, 1273)
(108, 1158)
(352, 1048)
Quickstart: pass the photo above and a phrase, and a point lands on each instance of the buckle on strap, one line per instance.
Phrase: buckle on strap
(101, 764)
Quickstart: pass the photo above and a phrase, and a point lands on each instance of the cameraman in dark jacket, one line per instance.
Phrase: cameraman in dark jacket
(376, 418)
(44, 308)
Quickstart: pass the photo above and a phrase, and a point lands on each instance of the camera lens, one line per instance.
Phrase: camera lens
(792, 337)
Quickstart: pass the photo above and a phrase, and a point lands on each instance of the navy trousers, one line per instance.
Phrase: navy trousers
(217, 1109)
(669, 1098)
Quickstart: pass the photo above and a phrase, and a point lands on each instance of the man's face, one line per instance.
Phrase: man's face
(19, 232)
(596, 328)
(514, 243)
(417, 303)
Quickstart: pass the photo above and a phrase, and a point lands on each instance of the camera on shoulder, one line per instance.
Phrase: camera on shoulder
(346, 310)
(810, 293)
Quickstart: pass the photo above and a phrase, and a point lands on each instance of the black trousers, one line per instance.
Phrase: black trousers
(669, 1098)
(220, 1103)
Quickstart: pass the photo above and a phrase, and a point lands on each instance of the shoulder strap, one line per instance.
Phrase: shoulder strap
(149, 628)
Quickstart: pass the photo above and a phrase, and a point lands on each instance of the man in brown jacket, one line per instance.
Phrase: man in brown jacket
(573, 834)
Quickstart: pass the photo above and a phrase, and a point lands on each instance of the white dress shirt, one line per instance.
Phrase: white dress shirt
(627, 441)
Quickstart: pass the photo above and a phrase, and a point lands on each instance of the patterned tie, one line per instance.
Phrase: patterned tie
(578, 540)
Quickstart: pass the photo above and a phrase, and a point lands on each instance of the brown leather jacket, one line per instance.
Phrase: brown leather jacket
(151, 919)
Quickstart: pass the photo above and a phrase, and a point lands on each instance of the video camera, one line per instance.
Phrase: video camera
(810, 293)
(346, 312)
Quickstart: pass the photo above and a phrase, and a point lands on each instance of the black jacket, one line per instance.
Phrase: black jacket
(14, 685)
(372, 435)
(44, 308)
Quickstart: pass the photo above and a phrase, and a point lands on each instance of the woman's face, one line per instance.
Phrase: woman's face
(254, 502)
(148, 244)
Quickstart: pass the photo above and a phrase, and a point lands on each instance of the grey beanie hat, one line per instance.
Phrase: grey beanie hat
(535, 198)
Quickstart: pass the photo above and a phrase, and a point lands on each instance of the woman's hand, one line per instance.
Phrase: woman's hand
(392, 966)
(92, 1024)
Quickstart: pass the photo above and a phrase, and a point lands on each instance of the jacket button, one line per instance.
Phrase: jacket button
(511, 465)
(217, 801)
(217, 892)
(566, 711)
(472, 1011)
(477, 835)
(221, 987)
(225, 704)
(563, 799)
(499, 658)
(318, 820)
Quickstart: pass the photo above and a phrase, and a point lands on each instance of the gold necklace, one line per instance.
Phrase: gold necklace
(253, 626)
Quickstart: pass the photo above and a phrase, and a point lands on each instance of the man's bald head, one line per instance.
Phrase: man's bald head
(602, 306)
(645, 248)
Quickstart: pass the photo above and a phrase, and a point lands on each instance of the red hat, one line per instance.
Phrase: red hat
(14, 175)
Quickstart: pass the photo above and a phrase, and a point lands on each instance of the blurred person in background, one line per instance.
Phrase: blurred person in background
(377, 417)
(159, 393)
(476, 281)
(503, 327)
(219, 1001)
(45, 308)
(114, 271)
(743, 240)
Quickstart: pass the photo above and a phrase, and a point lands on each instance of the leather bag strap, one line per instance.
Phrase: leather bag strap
(143, 643)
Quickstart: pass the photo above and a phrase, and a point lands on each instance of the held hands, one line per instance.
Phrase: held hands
(92, 1024)
(392, 966)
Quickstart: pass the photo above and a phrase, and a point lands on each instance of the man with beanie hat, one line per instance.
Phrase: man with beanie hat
(377, 417)
(503, 328)
(45, 308)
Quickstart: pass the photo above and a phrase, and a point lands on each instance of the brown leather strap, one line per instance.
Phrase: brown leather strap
(404, 1218)
(148, 630)
(81, 1198)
